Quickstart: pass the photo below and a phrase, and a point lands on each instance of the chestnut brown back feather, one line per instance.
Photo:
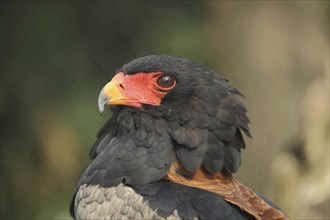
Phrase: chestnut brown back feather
(225, 185)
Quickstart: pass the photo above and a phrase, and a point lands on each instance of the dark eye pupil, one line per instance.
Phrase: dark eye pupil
(165, 81)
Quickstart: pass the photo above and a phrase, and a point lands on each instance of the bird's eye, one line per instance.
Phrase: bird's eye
(165, 81)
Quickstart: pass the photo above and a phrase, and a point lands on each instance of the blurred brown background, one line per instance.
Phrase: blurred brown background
(57, 55)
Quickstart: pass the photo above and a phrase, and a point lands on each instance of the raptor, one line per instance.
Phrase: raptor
(170, 147)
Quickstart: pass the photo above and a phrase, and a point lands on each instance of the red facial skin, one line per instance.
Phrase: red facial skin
(135, 90)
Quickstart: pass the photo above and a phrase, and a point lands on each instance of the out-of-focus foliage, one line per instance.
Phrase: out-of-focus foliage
(57, 55)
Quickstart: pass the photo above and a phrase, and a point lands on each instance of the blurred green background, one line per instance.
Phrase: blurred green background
(57, 55)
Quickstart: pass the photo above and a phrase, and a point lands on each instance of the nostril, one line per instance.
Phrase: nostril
(121, 86)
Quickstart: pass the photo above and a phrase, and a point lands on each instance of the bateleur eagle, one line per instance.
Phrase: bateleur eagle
(170, 147)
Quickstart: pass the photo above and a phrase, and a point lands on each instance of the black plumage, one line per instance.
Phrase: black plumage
(190, 202)
(209, 109)
(198, 123)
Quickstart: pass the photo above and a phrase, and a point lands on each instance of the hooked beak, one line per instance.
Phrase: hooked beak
(112, 93)
(102, 101)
